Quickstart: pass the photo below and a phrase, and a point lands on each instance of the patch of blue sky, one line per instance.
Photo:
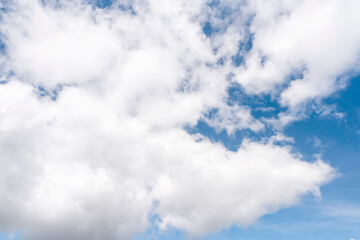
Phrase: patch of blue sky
(262, 105)
(52, 93)
(3, 10)
(154, 232)
(208, 29)
(3, 4)
(10, 236)
(232, 142)
(2, 41)
(244, 47)
(104, 4)
(2, 47)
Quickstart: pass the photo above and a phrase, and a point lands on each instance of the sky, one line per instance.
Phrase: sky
(181, 120)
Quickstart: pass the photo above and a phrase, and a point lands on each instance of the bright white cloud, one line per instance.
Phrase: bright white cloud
(111, 149)
(316, 38)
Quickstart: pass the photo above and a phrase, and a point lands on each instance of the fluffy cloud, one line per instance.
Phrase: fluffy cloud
(76, 168)
(312, 42)
(92, 116)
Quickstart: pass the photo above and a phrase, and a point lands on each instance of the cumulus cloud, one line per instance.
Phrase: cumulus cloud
(311, 43)
(76, 169)
(92, 113)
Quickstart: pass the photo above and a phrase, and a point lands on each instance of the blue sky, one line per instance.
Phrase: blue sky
(201, 119)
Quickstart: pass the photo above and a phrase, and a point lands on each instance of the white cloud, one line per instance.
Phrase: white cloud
(210, 194)
(93, 163)
(233, 118)
(74, 162)
(318, 38)
(49, 45)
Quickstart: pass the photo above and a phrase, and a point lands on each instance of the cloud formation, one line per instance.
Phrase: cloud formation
(305, 49)
(94, 103)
